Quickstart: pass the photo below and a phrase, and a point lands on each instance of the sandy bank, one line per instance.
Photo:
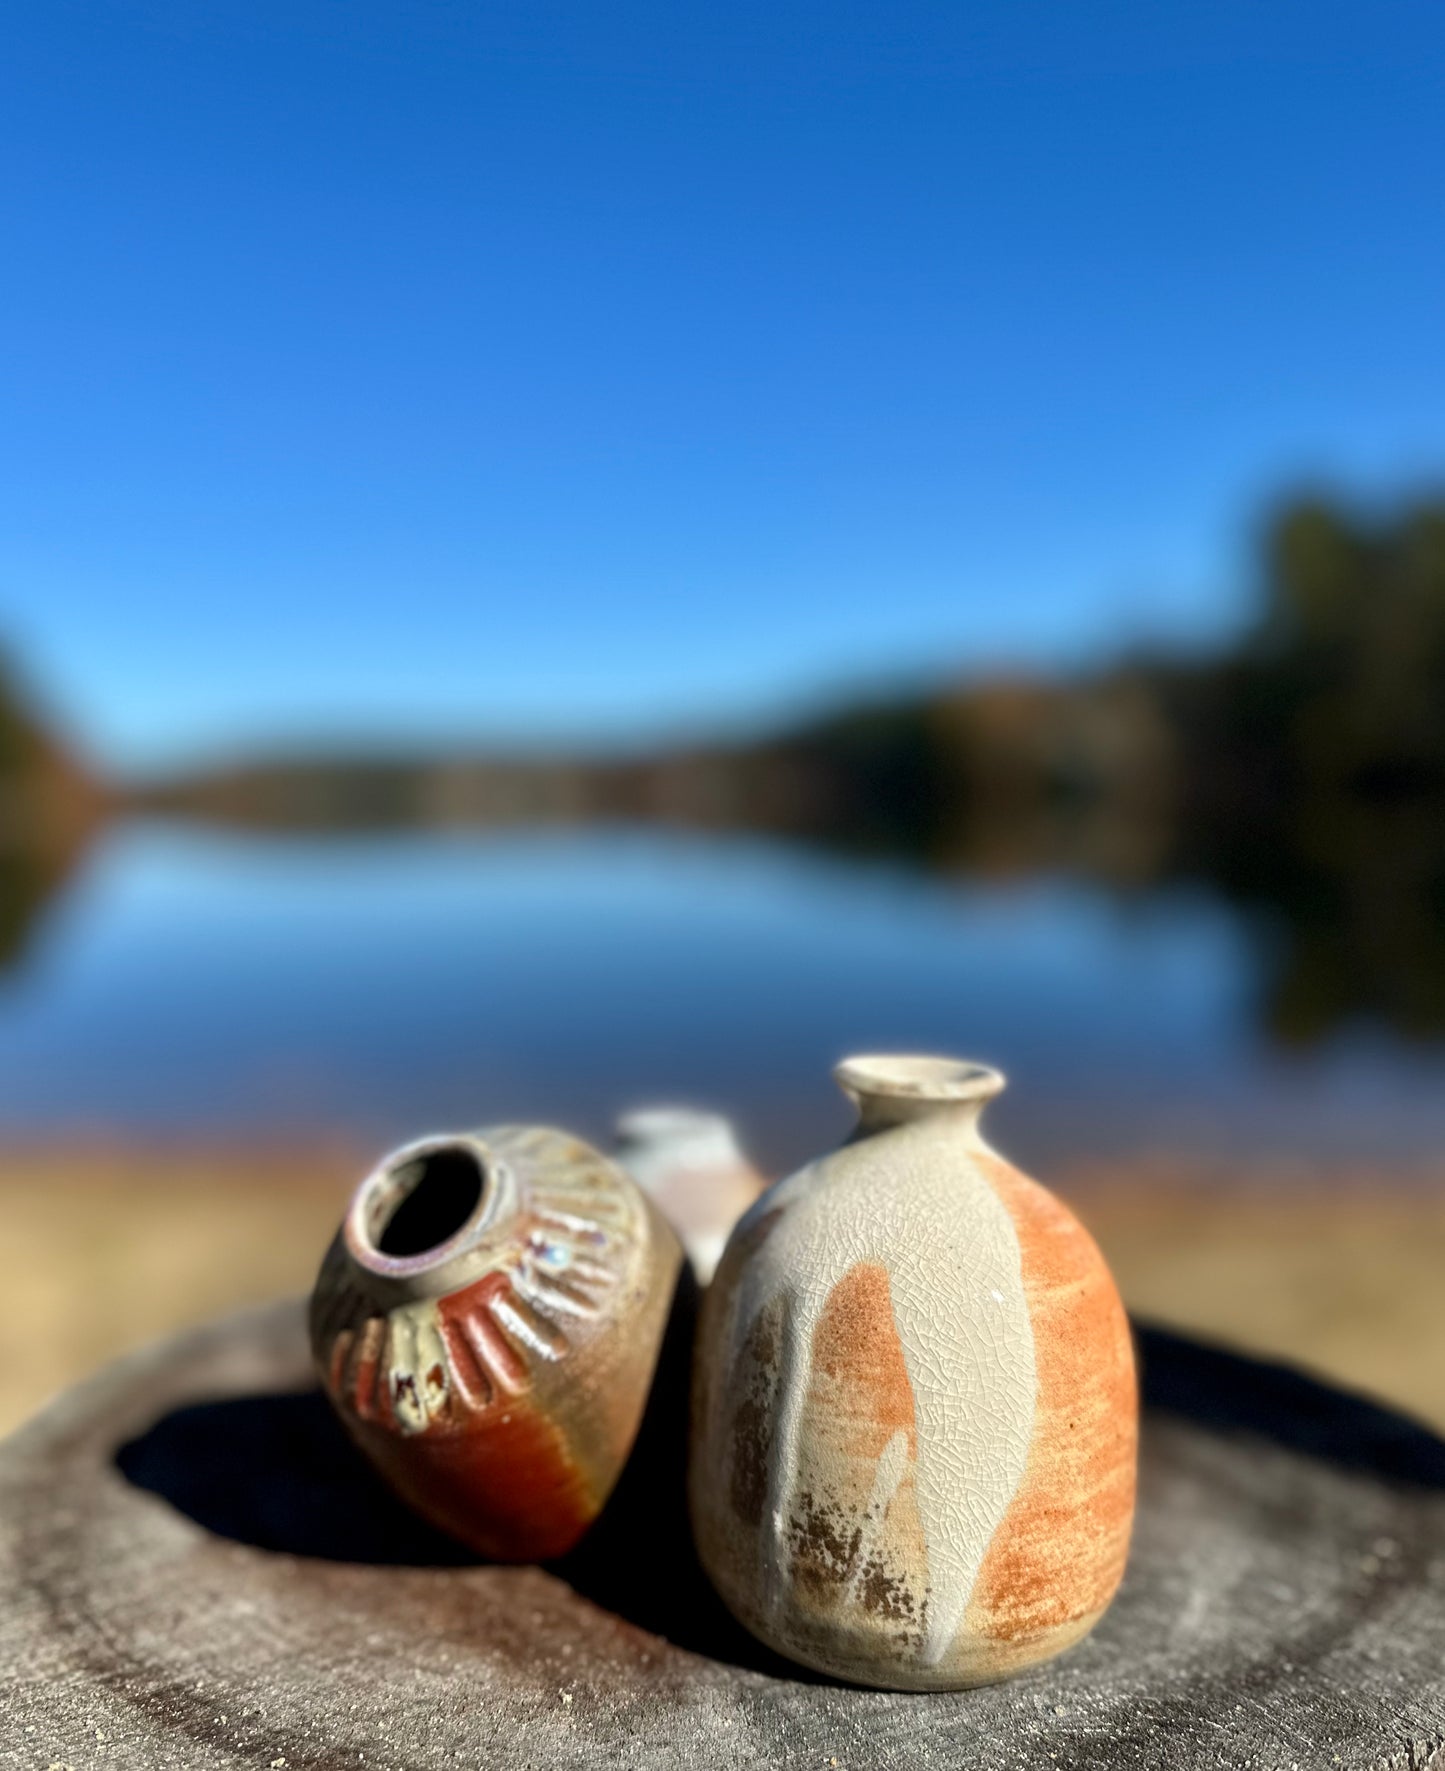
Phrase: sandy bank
(107, 1248)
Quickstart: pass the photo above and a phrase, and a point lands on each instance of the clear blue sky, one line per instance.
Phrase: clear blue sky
(545, 368)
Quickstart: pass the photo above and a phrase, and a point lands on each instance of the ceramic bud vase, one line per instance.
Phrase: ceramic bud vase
(487, 1322)
(689, 1164)
(915, 1410)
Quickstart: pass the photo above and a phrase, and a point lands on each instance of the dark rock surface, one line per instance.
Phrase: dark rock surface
(197, 1571)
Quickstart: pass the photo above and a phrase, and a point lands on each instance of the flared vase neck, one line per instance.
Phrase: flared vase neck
(893, 1089)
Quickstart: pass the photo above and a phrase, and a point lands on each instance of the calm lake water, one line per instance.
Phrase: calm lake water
(190, 983)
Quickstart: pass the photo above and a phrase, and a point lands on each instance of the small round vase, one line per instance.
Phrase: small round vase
(690, 1165)
(915, 1411)
(487, 1322)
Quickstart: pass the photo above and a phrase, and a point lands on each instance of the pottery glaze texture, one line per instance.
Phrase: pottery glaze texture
(915, 1410)
(497, 1377)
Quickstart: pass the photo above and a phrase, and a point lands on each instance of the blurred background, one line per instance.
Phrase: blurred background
(563, 556)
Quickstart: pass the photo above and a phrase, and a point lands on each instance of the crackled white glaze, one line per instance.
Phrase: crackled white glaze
(894, 1478)
(957, 1290)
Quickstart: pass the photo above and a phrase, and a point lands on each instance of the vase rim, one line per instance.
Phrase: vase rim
(922, 1078)
(380, 1195)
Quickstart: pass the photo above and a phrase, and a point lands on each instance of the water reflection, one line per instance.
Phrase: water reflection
(29, 881)
(194, 982)
(1341, 907)
(1230, 867)
(1298, 774)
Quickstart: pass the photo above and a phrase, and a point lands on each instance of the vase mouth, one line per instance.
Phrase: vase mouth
(423, 1206)
(917, 1080)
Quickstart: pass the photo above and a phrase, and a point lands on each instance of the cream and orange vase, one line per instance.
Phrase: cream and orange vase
(914, 1412)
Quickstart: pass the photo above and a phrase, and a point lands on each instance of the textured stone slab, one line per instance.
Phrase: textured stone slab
(195, 1571)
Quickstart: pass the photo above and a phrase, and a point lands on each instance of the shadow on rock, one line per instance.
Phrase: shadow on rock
(1233, 1393)
(278, 1472)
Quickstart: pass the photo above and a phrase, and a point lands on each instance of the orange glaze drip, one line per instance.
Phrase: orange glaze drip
(1059, 1551)
(856, 1344)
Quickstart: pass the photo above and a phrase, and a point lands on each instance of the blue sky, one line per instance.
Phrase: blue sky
(546, 369)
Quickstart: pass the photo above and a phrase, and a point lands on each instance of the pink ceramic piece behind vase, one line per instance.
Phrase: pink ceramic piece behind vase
(689, 1164)
(915, 1412)
(487, 1323)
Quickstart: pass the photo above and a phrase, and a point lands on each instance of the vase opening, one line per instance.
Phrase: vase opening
(890, 1087)
(429, 1199)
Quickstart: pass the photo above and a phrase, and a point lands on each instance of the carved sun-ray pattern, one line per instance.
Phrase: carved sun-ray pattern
(427, 1362)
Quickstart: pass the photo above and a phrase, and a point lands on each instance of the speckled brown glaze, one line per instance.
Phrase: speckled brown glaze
(497, 1376)
(914, 1411)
